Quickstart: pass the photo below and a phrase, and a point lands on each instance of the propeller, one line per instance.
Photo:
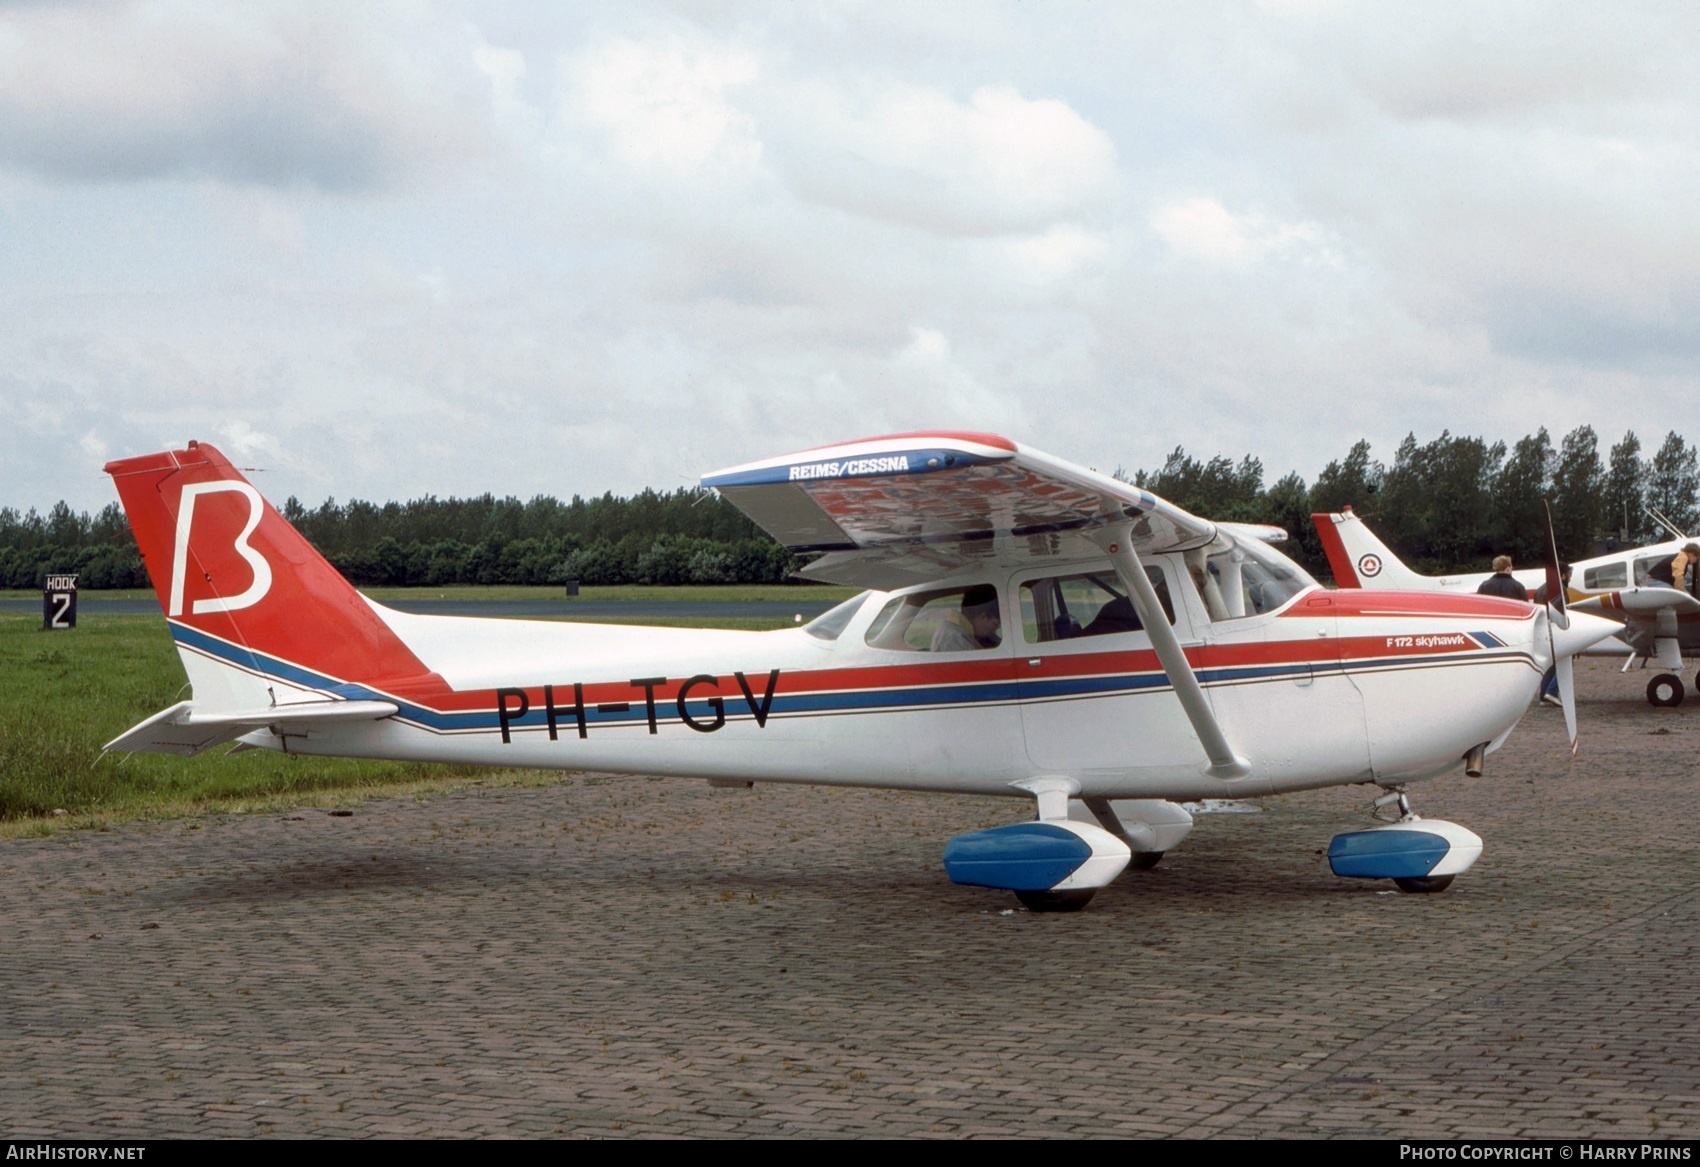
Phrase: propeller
(1558, 616)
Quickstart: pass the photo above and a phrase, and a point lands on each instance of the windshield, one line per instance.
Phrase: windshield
(1240, 577)
(835, 620)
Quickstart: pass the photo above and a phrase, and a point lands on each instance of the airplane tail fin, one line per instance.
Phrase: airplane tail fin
(260, 618)
(1360, 560)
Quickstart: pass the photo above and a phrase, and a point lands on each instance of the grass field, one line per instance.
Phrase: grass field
(63, 694)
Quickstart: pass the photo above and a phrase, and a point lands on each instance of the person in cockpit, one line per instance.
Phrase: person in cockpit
(974, 626)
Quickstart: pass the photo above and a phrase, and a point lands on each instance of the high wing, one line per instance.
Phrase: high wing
(902, 509)
(905, 509)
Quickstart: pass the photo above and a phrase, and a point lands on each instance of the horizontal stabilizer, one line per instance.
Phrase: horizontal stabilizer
(180, 730)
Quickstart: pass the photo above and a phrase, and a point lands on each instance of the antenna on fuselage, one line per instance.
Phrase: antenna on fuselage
(1675, 532)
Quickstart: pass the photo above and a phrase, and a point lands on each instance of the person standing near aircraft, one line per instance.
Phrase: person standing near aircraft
(1540, 593)
(1502, 583)
(1549, 682)
(1681, 564)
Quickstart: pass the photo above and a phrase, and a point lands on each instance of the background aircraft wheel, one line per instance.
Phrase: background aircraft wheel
(1056, 901)
(1665, 690)
(1145, 860)
(1424, 883)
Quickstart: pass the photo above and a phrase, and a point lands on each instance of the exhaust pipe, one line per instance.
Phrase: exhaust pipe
(1473, 760)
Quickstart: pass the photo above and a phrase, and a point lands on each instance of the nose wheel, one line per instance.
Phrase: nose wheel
(1056, 901)
(1665, 690)
(1424, 883)
(1419, 855)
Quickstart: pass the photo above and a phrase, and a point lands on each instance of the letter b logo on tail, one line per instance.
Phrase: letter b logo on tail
(180, 559)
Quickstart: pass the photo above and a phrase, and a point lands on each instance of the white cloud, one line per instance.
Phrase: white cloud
(243, 441)
(927, 348)
(998, 162)
(270, 94)
(1064, 250)
(513, 117)
(1202, 228)
(666, 106)
(458, 247)
(932, 387)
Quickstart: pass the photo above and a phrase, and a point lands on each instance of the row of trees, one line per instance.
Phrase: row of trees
(1453, 503)
(1449, 504)
(688, 536)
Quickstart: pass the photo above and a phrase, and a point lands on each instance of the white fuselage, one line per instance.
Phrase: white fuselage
(1328, 688)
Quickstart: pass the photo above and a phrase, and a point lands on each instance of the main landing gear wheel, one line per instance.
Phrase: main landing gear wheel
(1665, 690)
(1424, 883)
(1145, 860)
(1056, 901)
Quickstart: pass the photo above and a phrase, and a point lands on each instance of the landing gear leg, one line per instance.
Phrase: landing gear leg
(1400, 798)
(1665, 690)
(1144, 859)
(1396, 796)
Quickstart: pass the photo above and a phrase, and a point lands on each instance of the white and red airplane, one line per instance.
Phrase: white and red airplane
(1031, 629)
(1658, 620)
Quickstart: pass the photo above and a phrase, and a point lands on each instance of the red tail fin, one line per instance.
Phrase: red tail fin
(225, 563)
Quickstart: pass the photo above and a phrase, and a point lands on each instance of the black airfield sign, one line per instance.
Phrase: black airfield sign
(59, 602)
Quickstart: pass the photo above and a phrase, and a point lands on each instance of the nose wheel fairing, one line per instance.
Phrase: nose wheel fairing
(1417, 854)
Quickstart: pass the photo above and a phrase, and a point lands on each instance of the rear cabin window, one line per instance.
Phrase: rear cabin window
(1094, 603)
(1611, 575)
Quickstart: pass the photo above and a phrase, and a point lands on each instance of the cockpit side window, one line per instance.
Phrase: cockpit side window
(948, 620)
(1653, 570)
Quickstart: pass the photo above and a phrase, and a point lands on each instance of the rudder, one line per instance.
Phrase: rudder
(251, 603)
(1359, 559)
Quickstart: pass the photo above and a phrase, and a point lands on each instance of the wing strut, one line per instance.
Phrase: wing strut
(1118, 542)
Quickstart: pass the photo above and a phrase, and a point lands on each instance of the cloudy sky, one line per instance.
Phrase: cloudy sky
(388, 249)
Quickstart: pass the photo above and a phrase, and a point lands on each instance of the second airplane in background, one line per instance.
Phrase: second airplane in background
(1660, 616)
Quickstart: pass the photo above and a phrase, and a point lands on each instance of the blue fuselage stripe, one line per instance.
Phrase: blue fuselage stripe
(984, 693)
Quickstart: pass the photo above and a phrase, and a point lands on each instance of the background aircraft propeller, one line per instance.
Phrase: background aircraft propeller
(1558, 616)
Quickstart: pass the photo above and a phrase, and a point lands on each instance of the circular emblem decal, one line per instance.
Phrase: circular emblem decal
(1369, 566)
